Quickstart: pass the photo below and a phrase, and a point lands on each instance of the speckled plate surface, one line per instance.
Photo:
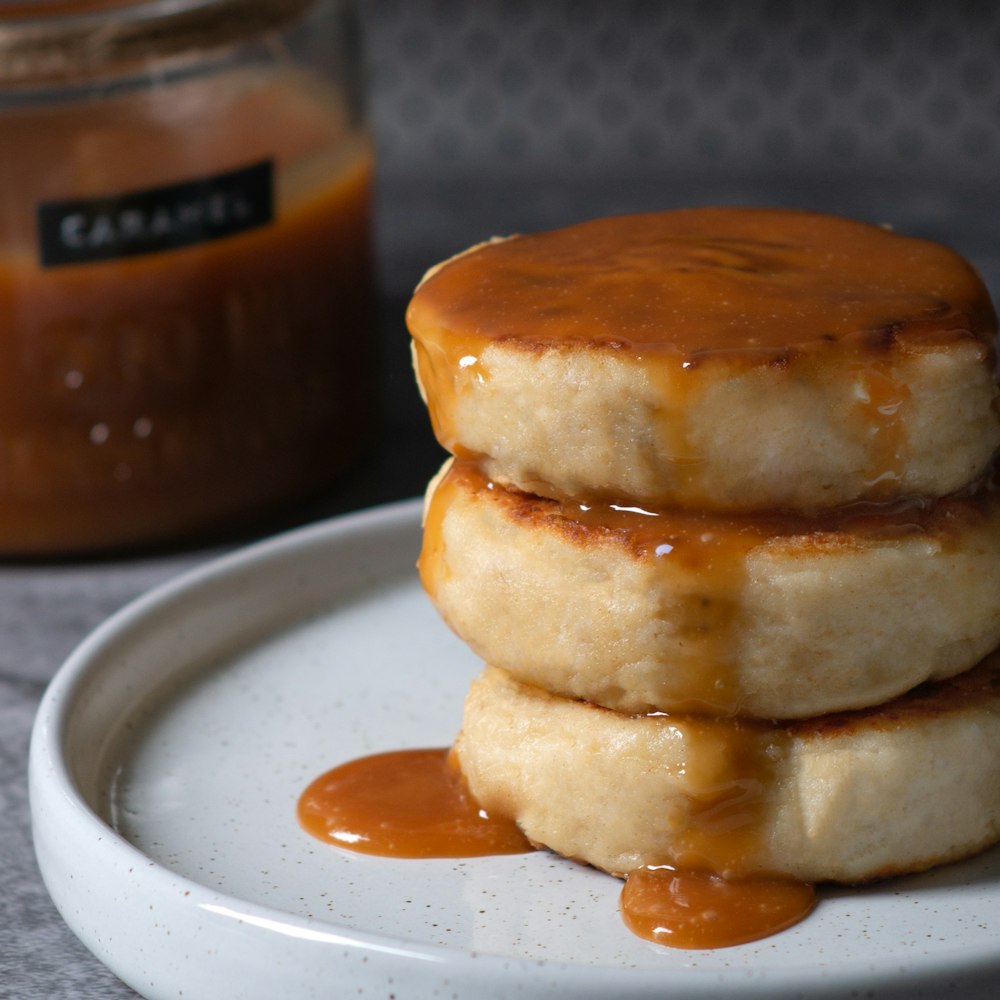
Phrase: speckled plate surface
(170, 750)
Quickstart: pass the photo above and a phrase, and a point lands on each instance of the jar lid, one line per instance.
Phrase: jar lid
(55, 41)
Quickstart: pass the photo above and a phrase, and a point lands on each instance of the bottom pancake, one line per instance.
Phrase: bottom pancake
(847, 798)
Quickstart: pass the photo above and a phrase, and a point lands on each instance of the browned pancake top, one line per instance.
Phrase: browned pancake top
(704, 539)
(696, 282)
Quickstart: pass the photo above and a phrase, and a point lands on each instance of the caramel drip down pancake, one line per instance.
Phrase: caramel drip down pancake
(846, 798)
(768, 616)
(723, 359)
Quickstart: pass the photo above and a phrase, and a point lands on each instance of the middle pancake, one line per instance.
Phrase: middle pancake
(770, 616)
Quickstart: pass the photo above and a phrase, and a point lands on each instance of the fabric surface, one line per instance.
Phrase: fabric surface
(44, 613)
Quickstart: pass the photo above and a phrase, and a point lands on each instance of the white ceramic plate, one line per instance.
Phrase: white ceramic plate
(171, 748)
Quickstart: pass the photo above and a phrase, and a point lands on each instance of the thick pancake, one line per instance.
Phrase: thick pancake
(768, 616)
(728, 359)
(845, 798)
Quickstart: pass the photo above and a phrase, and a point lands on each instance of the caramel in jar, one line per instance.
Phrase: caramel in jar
(186, 305)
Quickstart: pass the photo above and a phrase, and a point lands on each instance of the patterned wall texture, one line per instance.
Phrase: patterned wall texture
(497, 116)
(594, 87)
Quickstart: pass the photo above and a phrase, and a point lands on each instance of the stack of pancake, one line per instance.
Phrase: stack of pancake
(719, 518)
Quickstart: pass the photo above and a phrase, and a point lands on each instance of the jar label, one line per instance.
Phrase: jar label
(86, 230)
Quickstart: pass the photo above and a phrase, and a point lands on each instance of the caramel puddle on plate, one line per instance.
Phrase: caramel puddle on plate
(702, 910)
(404, 804)
(413, 804)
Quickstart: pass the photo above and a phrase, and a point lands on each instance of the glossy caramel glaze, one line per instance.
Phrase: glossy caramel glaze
(729, 770)
(700, 561)
(701, 282)
(404, 804)
(704, 540)
(413, 804)
(634, 357)
(701, 910)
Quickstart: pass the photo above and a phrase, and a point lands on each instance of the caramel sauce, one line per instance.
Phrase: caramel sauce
(703, 540)
(675, 291)
(701, 910)
(710, 550)
(698, 283)
(413, 804)
(404, 804)
(150, 396)
(728, 768)
(882, 405)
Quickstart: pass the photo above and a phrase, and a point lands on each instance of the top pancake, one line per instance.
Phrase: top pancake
(728, 359)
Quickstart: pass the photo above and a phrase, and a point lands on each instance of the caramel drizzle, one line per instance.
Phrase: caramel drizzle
(404, 804)
(414, 804)
(701, 910)
(764, 288)
(711, 550)
(703, 284)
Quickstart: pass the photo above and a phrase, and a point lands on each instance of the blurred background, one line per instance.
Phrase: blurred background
(501, 116)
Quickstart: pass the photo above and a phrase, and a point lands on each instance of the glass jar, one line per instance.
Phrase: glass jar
(186, 296)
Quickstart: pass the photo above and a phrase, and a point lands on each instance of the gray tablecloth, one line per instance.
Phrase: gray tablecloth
(44, 612)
